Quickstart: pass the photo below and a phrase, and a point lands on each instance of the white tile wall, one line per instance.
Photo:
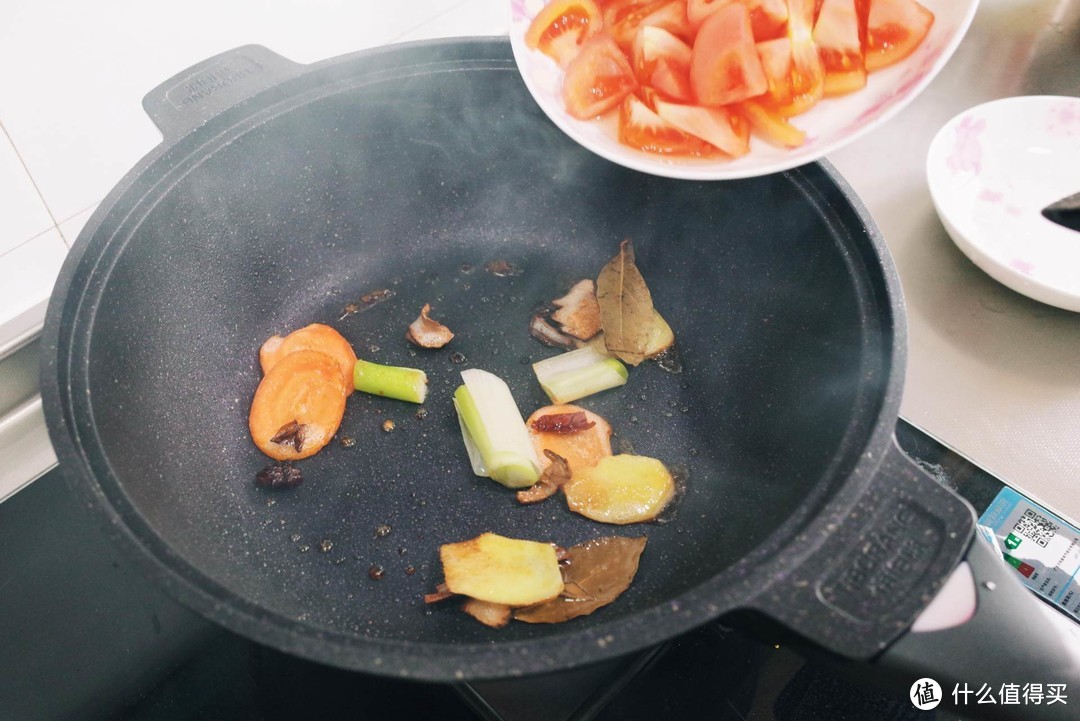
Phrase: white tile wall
(27, 274)
(22, 211)
(73, 75)
(471, 17)
(71, 227)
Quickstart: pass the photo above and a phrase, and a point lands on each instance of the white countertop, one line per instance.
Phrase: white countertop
(991, 374)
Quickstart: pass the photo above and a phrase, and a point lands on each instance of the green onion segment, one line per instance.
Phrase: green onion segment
(579, 373)
(494, 432)
(404, 384)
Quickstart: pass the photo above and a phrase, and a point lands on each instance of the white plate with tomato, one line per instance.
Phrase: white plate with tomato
(723, 89)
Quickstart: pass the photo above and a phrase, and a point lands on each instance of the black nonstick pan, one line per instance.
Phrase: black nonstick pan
(283, 193)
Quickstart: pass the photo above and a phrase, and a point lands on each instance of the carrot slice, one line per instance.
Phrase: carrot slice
(581, 449)
(317, 337)
(298, 406)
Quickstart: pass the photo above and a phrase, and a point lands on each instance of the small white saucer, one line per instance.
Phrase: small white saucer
(991, 171)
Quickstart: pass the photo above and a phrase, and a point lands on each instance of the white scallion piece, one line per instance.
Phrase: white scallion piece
(579, 373)
(494, 432)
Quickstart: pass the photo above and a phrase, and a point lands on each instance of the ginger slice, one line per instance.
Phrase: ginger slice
(621, 489)
(581, 449)
(495, 615)
(502, 570)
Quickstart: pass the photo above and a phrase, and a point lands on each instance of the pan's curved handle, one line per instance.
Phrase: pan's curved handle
(861, 588)
(193, 96)
(858, 576)
(985, 628)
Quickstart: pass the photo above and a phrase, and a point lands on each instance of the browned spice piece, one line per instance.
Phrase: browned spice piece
(292, 432)
(441, 594)
(427, 332)
(388, 425)
(376, 296)
(578, 311)
(546, 333)
(503, 268)
(563, 423)
(367, 300)
(410, 570)
(554, 476)
(539, 491)
(382, 531)
(376, 573)
(279, 476)
(348, 441)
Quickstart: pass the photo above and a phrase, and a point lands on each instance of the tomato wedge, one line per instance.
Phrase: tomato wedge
(894, 28)
(641, 128)
(649, 96)
(771, 127)
(776, 61)
(837, 37)
(673, 81)
(560, 29)
(717, 126)
(767, 17)
(652, 44)
(725, 67)
(597, 79)
(662, 61)
(807, 72)
(623, 19)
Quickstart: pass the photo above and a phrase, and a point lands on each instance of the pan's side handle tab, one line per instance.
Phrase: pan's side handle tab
(872, 568)
(988, 637)
(193, 96)
(902, 582)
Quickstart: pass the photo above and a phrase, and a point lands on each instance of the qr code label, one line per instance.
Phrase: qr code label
(1036, 527)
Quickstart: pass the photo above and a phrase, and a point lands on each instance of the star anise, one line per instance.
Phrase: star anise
(292, 432)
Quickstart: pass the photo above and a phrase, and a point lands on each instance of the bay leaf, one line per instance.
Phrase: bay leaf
(626, 307)
(598, 572)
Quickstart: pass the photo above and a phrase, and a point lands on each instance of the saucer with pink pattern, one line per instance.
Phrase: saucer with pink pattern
(991, 171)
